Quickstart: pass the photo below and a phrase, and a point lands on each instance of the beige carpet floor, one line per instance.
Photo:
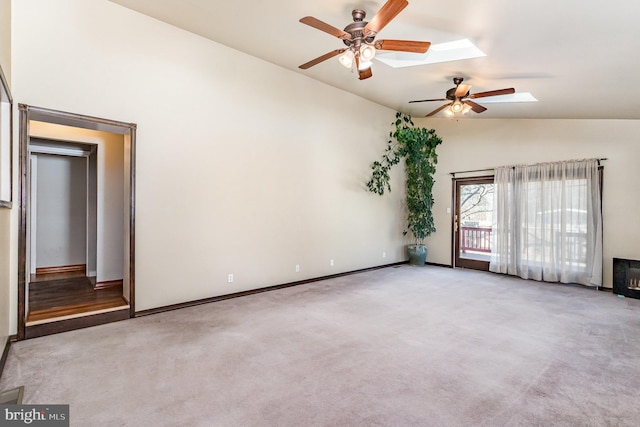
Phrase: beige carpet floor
(400, 346)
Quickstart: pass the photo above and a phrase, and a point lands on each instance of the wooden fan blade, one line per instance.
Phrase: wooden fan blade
(437, 110)
(403, 45)
(493, 93)
(365, 74)
(323, 26)
(319, 59)
(462, 90)
(386, 13)
(475, 107)
(429, 100)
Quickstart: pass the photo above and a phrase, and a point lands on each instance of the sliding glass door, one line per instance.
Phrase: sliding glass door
(472, 222)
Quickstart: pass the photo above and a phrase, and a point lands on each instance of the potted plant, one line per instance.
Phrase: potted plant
(418, 147)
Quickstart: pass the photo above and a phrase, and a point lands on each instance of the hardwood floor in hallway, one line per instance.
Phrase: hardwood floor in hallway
(68, 297)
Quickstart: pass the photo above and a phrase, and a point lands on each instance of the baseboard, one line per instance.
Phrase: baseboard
(76, 323)
(107, 284)
(435, 264)
(5, 354)
(78, 268)
(257, 291)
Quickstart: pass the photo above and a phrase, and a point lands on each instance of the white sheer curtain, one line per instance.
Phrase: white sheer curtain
(548, 222)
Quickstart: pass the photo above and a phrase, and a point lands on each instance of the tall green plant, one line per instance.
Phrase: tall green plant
(418, 147)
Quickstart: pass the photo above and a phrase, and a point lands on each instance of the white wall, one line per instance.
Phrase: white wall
(7, 244)
(486, 143)
(242, 167)
(61, 222)
(5, 38)
(111, 206)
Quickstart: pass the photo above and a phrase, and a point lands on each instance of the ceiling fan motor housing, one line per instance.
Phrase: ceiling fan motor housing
(356, 29)
(358, 15)
(451, 93)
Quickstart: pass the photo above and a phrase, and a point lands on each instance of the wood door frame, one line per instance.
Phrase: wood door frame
(27, 113)
(455, 223)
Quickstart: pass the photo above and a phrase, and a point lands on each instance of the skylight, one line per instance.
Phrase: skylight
(514, 97)
(441, 52)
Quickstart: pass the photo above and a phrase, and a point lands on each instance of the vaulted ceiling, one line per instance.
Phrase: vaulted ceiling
(578, 58)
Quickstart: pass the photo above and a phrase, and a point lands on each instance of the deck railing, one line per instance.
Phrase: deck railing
(477, 239)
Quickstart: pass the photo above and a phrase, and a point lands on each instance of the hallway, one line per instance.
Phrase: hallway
(70, 297)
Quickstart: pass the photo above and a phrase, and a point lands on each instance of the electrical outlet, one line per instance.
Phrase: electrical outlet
(230, 278)
(297, 268)
(331, 263)
(384, 254)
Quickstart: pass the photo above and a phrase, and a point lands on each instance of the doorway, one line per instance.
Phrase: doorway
(76, 242)
(472, 221)
(62, 230)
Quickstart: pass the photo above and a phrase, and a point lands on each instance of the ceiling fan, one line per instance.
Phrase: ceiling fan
(459, 96)
(359, 37)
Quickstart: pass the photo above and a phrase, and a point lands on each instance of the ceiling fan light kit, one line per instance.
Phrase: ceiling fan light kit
(364, 65)
(367, 52)
(359, 37)
(457, 106)
(453, 109)
(346, 58)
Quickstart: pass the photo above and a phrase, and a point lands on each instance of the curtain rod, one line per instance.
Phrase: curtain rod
(490, 169)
